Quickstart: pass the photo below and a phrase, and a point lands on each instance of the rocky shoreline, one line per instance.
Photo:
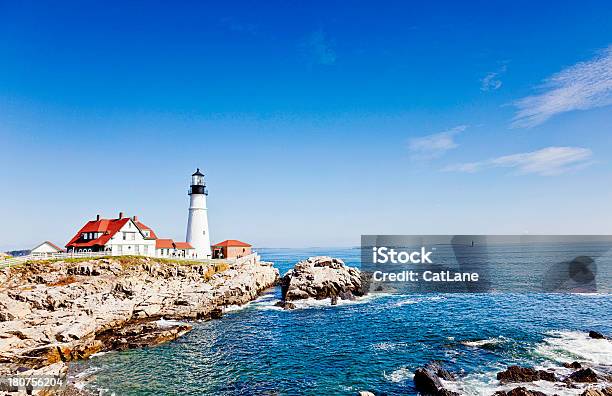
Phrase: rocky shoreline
(432, 379)
(57, 311)
(54, 312)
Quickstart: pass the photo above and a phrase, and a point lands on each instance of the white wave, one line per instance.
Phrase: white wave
(265, 301)
(485, 384)
(87, 373)
(399, 375)
(93, 355)
(485, 342)
(569, 346)
(310, 303)
(416, 300)
(326, 302)
(557, 348)
(168, 323)
(591, 294)
(389, 346)
(236, 308)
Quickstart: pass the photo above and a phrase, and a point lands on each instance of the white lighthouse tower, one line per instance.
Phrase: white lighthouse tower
(197, 224)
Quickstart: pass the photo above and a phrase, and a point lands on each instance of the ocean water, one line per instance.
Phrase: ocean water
(372, 344)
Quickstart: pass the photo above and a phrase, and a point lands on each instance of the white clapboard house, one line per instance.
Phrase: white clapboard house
(125, 236)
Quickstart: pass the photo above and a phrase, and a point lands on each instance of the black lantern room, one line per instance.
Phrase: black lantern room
(198, 186)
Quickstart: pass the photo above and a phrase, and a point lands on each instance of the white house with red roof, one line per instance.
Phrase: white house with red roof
(125, 236)
(45, 249)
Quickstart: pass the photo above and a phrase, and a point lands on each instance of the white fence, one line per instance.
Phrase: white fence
(48, 256)
(66, 255)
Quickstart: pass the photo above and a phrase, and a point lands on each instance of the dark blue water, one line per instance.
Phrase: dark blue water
(373, 344)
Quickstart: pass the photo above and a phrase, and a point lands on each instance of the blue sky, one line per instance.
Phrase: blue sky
(315, 122)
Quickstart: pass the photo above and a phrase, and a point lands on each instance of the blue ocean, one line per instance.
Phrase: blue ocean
(373, 344)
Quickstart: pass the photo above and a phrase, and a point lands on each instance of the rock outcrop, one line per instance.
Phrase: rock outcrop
(520, 391)
(524, 374)
(53, 312)
(427, 380)
(322, 277)
(584, 375)
(596, 335)
(598, 392)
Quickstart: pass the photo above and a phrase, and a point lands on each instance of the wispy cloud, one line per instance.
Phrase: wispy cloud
(548, 161)
(582, 86)
(491, 81)
(435, 145)
(235, 25)
(319, 48)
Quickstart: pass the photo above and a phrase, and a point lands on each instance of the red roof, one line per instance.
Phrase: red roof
(169, 244)
(164, 244)
(183, 245)
(145, 228)
(232, 242)
(108, 228)
(53, 245)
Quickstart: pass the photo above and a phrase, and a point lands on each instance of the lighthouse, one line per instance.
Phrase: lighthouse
(197, 223)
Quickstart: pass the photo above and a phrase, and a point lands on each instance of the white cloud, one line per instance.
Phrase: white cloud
(582, 86)
(319, 49)
(491, 81)
(435, 145)
(545, 162)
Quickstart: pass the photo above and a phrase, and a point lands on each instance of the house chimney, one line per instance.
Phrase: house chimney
(120, 215)
(98, 217)
(135, 218)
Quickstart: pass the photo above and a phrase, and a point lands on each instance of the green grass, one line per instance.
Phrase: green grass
(126, 261)
(65, 260)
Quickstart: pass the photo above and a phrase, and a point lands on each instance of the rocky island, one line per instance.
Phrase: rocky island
(322, 277)
(52, 312)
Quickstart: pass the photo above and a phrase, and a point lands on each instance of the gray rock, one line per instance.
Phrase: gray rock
(607, 391)
(584, 375)
(285, 305)
(427, 380)
(44, 323)
(321, 277)
(520, 391)
(524, 374)
(596, 335)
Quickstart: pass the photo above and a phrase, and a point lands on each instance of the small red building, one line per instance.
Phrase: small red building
(231, 248)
